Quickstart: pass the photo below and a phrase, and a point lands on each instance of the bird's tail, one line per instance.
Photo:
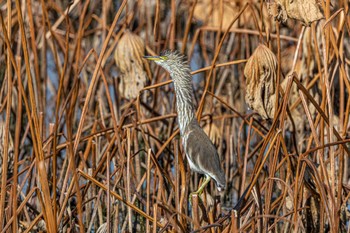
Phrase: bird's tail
(221, 181)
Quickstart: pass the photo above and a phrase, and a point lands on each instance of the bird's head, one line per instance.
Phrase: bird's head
(171, 61)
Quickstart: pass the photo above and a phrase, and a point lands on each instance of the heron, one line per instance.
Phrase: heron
(201, 153)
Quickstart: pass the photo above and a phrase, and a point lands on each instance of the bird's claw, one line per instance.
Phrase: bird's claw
(198, 194)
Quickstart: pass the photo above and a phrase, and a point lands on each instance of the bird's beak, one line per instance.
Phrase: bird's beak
(152, 58)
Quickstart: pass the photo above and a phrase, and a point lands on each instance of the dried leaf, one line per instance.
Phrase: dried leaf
(132, 82)
(306, 11)
(261, 72)
(209, 12)
(278, 11)
(129, 52)
(128, 57)
(289, 202)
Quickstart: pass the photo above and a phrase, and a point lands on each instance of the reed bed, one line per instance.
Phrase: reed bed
(89, 137)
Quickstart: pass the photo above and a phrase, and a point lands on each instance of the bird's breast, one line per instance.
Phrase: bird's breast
(190, 154)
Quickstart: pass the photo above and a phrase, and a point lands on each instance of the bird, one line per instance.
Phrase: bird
(201, 153)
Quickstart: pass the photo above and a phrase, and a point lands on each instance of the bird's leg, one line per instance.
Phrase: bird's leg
(201, 188)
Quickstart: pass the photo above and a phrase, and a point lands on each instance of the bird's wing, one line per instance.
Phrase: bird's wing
(203, 154)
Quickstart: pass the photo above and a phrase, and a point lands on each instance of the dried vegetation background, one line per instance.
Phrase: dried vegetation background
(89, 138)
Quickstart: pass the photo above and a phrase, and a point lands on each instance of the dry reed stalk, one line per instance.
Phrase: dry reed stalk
(69, 121)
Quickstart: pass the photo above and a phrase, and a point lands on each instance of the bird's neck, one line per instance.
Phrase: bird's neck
(184, 105)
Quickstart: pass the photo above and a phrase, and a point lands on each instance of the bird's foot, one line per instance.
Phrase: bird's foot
(198, 193)
(200, 189)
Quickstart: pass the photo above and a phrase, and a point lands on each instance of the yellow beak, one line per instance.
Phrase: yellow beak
(152, 58)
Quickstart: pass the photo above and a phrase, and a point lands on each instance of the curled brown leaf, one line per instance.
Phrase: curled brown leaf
(128, 57)
(261, 73)
(209, 12)
(306, 11)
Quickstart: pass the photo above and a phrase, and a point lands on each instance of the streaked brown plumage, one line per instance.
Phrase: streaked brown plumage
(200, 151)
